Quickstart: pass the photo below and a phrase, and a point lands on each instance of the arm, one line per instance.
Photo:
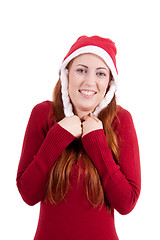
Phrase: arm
(41, 148)
(121, 183)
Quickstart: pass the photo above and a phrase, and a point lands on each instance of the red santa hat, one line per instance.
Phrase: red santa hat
(102, 47)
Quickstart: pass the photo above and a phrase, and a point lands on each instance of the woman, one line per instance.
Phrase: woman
(80, 155)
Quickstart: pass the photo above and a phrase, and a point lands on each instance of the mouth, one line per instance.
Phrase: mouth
(87, 93)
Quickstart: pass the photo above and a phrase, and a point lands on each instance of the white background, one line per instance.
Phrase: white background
(34, 38)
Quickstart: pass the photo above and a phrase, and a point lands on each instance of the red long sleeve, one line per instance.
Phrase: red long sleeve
(121, 183)
(41, 148)
(75, 217)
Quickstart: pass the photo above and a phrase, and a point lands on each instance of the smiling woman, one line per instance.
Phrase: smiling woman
(80, 156)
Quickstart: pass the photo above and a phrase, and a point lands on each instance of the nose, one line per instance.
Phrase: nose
(90, 79)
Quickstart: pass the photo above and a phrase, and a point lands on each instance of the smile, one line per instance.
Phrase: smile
(86, 92)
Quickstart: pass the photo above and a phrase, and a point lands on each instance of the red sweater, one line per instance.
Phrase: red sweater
(75, 218)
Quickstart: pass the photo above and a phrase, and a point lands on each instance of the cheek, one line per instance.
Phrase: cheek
(103, 85)
(74, 81)
(72, 85)
(70, 81)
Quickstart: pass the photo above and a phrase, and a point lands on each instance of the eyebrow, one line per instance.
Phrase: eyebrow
(103, 68)
(82, 65)
(96, 68)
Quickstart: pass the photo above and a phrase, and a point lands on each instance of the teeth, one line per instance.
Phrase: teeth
(88, 93)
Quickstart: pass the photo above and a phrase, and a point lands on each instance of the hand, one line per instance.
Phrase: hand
(91, 123)
(72, 124)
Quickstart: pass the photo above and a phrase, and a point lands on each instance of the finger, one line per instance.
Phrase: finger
(94, 117)
(84, 118)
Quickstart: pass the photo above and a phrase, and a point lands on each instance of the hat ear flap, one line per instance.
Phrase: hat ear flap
(68, 109)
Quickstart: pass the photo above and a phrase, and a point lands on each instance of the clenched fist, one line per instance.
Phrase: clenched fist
(91, 123)
(72, 124)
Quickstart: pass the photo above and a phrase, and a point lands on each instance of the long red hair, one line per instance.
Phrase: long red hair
(59, 178)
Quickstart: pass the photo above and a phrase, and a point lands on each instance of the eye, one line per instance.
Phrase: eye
(80, 70)
(101, 74)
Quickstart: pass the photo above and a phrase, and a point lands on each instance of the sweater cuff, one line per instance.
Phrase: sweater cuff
(95, 144)
(57, 139)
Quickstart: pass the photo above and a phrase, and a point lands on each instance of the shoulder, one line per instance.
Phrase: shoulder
(123, 120)
(43, 107)
(123, 115)
(41, 113)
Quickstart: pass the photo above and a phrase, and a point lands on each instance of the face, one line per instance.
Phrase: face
(88, 81)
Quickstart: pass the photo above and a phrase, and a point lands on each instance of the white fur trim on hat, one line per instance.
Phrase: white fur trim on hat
(68, 108)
